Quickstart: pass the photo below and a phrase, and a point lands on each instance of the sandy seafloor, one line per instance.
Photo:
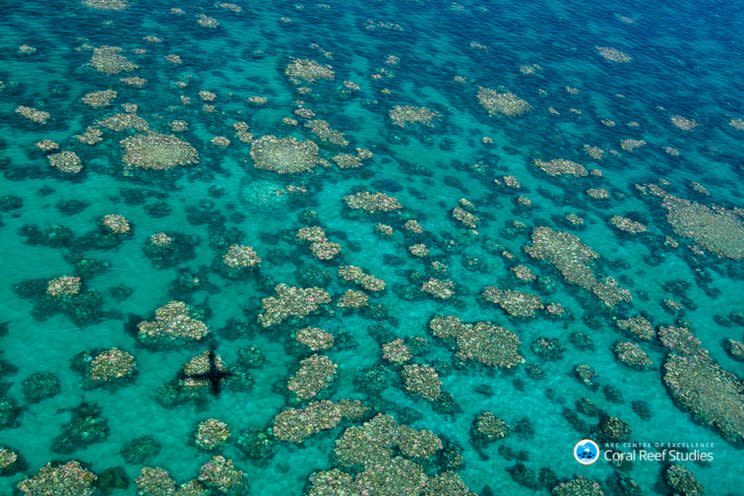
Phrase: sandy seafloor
(684, 59)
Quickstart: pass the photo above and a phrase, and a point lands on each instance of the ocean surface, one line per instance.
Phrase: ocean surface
(489, 161)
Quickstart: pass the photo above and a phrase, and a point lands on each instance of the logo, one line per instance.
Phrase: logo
(586, 452)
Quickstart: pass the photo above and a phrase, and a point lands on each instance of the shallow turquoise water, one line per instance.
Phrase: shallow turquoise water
(685, 61)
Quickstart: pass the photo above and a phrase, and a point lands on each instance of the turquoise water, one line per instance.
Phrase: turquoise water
(684, 60)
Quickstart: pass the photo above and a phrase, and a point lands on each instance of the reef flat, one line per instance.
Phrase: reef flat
(370, 248)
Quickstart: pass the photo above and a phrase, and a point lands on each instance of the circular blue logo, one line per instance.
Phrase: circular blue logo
(586, 452)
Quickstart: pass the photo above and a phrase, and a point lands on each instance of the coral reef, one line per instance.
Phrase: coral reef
(155, 151)
(314, 374)
(307, 70)
(515, 303)
(483, 342)
(572, 259)
(713, 395)
(64, 479)
(372, 202)
(172, 324)
(507, 104)
(422, 380)
(405, 115)
(284, 155)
